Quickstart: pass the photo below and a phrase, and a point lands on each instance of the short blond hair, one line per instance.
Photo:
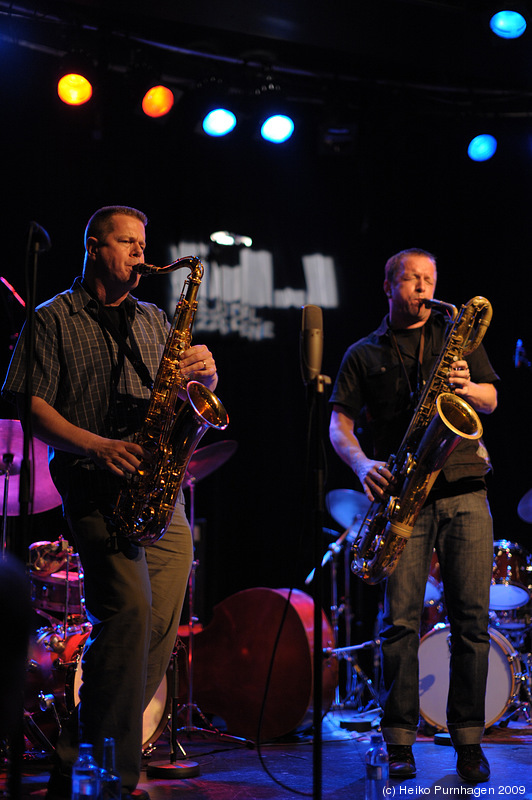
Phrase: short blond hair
(395, 262)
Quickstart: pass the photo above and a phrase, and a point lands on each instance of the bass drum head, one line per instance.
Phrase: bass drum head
(434, 658)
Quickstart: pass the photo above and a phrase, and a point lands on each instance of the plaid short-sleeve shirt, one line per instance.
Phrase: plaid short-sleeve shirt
(79, 369)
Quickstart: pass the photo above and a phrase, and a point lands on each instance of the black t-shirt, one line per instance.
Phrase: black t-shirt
(377, 382)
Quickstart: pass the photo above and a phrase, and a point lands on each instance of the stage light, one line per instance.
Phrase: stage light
(277, 128)
(158, 101)
(229, 239)
(508, 24)
(482, 147)
(75, 78)
(219, 122)
(74, 89)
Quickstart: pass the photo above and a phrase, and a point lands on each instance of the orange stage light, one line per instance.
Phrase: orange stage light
(74, 89)
(157, 101)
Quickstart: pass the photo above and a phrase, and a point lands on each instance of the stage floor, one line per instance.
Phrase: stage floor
(286, 769)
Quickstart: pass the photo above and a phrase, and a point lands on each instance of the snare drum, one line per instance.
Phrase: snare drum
(434, 657)
(50, 593)
(509, 584)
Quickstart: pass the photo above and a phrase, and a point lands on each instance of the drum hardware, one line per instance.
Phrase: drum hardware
(57, 583)
(53, 681)
(359, 680)
(202, 463)
(511, 573)
(348, 508)
(173, 768)
(48, 696)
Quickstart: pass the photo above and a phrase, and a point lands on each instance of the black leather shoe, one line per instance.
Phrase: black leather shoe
(471, 763)
(401, 761)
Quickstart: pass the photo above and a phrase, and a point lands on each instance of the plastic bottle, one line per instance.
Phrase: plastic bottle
(85, 775)
(377, 770)
(110, 783)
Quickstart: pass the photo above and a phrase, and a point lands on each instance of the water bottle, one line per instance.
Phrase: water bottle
(110, 784)
(376, 768)
(85, 775)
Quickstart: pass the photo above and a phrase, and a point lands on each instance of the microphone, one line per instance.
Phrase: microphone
(40, 237)
(311, 343)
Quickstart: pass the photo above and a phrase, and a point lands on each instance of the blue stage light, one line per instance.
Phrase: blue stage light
(508, 24)
(219, 122)
(277, 128)
(482, 147)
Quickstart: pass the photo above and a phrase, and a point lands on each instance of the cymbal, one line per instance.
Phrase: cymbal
(346, 506)
(45, 495)
(524, 507)
(207, 459)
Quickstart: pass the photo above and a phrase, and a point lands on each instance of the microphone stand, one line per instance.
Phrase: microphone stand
(316, 403)
(38, 241)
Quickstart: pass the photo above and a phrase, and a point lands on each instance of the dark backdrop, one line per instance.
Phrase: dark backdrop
(406, 181)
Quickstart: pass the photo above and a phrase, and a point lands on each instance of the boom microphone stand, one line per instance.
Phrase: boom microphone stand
(311, 350)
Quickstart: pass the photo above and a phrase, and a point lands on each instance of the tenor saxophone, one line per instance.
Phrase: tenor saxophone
(440, 421)
(172, 428)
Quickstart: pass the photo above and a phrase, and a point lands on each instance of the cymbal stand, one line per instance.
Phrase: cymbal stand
(359, 675)
(189, 708)
(355, 675)
(5, 468)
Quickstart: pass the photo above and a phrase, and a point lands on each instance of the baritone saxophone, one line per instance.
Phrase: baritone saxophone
(440, 421)
(172, 428)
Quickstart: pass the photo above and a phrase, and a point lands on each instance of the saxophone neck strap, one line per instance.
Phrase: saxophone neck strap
(132, 352)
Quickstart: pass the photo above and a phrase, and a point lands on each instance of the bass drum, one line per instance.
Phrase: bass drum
(53, 679)
(434, 657)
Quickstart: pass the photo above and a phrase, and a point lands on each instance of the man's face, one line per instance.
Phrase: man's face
(414, 282)
(120, 250)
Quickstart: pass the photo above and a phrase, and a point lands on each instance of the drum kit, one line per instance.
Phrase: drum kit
(54, 675)
(509, 687)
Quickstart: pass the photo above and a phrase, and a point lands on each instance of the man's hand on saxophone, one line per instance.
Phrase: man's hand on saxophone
(197, 364)
(481, 396)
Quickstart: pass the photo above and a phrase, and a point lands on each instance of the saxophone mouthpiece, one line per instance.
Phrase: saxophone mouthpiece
(433, 303)
(190, 262)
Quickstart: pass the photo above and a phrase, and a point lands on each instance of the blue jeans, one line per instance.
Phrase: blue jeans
(460, 529)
